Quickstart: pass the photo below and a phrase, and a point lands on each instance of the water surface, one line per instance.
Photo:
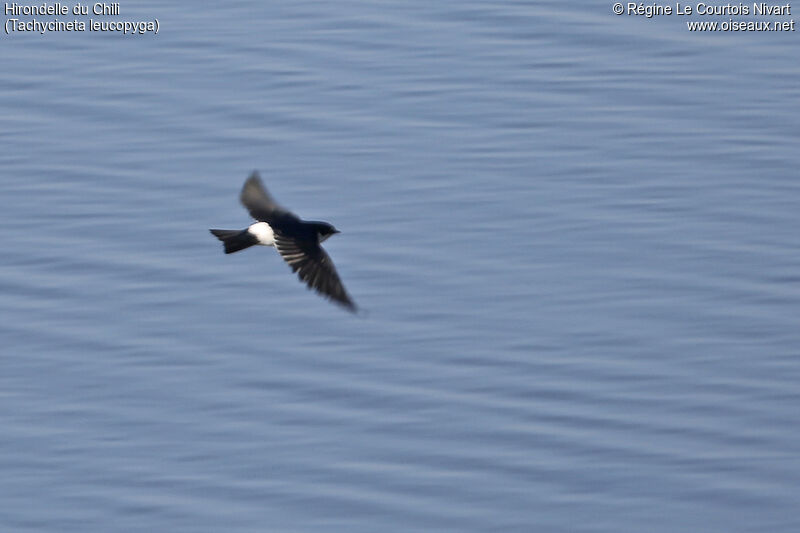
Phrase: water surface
(575, 237)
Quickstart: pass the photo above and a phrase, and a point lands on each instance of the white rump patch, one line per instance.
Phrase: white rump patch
(263, 232)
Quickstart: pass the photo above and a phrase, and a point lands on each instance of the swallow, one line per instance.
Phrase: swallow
(297, 241)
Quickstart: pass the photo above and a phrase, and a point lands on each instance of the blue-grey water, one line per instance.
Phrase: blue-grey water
(575, 236)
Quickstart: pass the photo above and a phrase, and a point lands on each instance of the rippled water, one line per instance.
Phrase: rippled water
(575, 237)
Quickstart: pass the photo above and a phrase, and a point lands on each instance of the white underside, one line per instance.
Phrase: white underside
(263, 232)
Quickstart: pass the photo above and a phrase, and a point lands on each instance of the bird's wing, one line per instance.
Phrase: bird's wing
(259, 202)
(314, 267)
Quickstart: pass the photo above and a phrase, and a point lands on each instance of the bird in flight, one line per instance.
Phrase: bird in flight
(298, 241)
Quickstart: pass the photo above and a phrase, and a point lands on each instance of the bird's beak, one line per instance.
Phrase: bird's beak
(336, 231)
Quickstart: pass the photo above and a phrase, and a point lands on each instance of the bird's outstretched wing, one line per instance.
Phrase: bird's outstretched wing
(258, 201)
(314, 267)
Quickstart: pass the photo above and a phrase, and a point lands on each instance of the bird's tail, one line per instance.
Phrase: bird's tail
(234, 240)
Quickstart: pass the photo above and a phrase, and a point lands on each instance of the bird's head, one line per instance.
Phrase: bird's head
(325, 230)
